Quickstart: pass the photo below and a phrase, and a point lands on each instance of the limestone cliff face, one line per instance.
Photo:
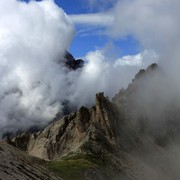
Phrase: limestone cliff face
(70, 133)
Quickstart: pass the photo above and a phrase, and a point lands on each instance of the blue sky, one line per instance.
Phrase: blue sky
(91, 38)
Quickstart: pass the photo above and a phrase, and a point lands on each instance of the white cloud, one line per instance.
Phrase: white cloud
(103, 73)
(100, 19)
(155, 24)
(33, 37)
(140, 59)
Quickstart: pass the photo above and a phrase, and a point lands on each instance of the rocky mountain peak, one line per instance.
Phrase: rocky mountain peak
(143, 72)
(71, 132)
(71, 62)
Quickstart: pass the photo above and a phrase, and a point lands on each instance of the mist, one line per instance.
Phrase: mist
(154, 104)
(155, 26)
(35, 85)
(33, 37)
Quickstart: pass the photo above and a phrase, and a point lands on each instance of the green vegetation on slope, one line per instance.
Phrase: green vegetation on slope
(73, 168)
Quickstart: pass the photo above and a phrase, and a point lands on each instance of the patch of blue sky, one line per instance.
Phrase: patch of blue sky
(72, 6)
(88, 38)
(128, 45)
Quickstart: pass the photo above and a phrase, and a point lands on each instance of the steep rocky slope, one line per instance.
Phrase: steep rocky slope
(15, 164)
(113, 139)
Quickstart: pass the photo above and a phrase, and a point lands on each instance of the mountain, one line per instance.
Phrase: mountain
(117, 139)
(71, 62)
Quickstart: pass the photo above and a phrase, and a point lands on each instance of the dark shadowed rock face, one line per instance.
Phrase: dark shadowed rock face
(71, 63)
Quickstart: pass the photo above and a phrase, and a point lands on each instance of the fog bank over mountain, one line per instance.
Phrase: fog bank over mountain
(133, 136)
(33, 37)
(154, 25)
(35, 84)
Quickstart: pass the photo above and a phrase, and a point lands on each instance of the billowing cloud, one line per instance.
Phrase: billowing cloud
(153, 24)
(34, 84)
(33, 37)
(140, 59)
(102, 73)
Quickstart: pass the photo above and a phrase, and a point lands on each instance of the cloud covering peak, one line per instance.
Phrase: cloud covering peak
(33, 36)
(33, 39)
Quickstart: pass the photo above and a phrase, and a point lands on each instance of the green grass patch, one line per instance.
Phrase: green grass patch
(95, 160)
(72, 168)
